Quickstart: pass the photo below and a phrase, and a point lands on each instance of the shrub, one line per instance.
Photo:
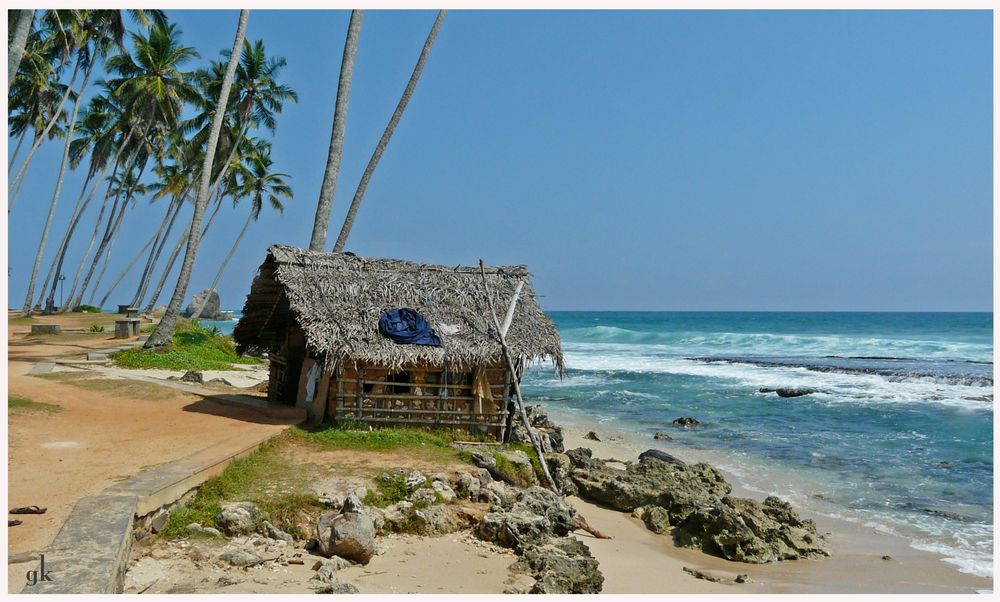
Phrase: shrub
(89, 309)
(96, 328)
(193, 348)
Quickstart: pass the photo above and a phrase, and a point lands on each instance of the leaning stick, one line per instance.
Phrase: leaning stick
(581, 523)
(501, 335)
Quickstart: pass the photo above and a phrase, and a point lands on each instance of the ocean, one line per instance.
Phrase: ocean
(898, 436)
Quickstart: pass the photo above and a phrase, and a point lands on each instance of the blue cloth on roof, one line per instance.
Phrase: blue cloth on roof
(407, 327)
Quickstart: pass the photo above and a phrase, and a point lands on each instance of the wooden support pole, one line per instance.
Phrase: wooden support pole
(517, 387)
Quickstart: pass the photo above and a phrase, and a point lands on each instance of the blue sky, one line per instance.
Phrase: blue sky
(663, 160)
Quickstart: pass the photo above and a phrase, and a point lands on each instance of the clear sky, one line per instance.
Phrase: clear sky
(688, 160)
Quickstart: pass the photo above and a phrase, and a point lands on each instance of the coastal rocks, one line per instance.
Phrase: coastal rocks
(661, 436)
(211, 311)
(655, 518)
(788, 391)
(560, 566)
(443, 491)
(686, 421)
(535, 515)
(349, 535)
(240, 518)
(549, 434)
(197, 529)
(326, 578)
(193, 376)
(239, 556)
(662, 456)
(673, 485)
(746, 530)
(277, 534)
(560, 467)
(338, 587)
(592, 436)
(510, 466)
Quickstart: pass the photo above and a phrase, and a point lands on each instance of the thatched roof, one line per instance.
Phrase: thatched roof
(337, 299)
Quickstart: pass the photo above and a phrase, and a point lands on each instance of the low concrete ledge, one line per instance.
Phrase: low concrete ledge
(46, 329)
(90, 553)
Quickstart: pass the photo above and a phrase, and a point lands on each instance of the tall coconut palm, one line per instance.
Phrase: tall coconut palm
(411, 85)
(321, 223)
(22, 27)
(257, 183)
(164, 332)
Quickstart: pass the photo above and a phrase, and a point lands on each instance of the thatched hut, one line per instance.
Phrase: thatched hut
(317, 314)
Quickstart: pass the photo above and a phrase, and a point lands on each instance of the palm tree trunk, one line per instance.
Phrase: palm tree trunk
(164, 333)
(225, 262)
(17, 149)
(411, 85)
(26, 310)
(129, 195)
(154, 254)
(38, 142)
(81, 206)
(321, 224)
(16, 50)
(72, 301)
(130, 265)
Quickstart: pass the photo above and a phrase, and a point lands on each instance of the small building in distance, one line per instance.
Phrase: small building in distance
(316, 315)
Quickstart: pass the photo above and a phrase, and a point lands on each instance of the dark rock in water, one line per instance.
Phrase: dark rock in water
(561, 566)
(746, 530)
(193, 376)
(661, 436)
(550, 434)
(794, 392)
(946, 514)
(686, 421)
(663, 456)
(944, 464)
(211, 310)
(766, 390)
(592, 436)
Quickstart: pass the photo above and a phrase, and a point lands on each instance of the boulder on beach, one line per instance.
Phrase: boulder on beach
(349, 535)
(560, 566)
(240, 518)
(592, 436)
(211, 311)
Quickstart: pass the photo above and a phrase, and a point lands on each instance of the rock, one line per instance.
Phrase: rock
(350, 535)
(334, 562)
(947, 514)
(438, 520)
(943, 464)
(511, 466)
(351, 504)
(239, 556)
(560, 467)
(210, 311)
(549, 434)
(742, 579)
(498, 494)
(541, 501)
(686, 421)
(701, 575)
(887, 557)
(560, 566)
(227, 580)
(793, 392)
(446, 493)
(219, 381)
(466, 485)
(240, 518)
(159, 520)
(591, 435)
(746, 530)
(193, 376)
(662, 456)
(423, 497)
(377, 516)
(276, 533)
(661, 436)
(514, 529)
(677, 487)
(656, 519)
(337, 587)
(212, 531)
(414, 480)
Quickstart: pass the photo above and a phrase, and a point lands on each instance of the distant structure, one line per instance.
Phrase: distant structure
(317, 316)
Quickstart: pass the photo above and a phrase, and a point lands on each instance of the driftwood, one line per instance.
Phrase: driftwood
(581, 523)
(517, 387)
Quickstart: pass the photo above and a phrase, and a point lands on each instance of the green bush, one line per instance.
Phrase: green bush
(89, 309)
(96, 328)
(193, 348)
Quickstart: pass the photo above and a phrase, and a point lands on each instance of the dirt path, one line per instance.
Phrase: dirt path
(102, 435)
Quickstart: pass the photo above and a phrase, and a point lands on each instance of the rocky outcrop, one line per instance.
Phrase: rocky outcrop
(560, 467)
(509, 465)
(211, 311)
(239, 556)
(686, 421)
(535, 515)
(750, 531)
(692, 503)
(348, 534)
(788, 391)
(549, 433)
(560, 566)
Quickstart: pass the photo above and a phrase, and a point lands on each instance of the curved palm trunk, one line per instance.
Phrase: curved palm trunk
(26, 310)
(130, 265)
(176, 253)
(78, 211)
(72, 301)
(17, 149)
(16, 50)
(38, 141)
(225, 262)
(154, 255)
(164, 332)
(321, 223)
(411, 85)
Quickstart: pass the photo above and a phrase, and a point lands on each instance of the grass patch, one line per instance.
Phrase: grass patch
(88, 309)
(265, 478)
(193, 348)
(346, 436)
(17, 403)
(519, 474)
(96, 328)
(389, 489)
(21, 320)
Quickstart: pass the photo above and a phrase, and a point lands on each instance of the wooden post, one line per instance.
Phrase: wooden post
(517, 387)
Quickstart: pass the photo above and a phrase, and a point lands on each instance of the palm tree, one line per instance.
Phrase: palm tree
(321, 223)
(257, 183)
(163, 335)
(22, 27)
(389, 129)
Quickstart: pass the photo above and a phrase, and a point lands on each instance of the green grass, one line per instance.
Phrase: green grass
(193, 348)
(347, 436)
(389, 489)
(96, 328)
(264, 478)
(90, 309)
(19, 403)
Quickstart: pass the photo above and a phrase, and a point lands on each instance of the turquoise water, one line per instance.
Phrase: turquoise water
(902, 423)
